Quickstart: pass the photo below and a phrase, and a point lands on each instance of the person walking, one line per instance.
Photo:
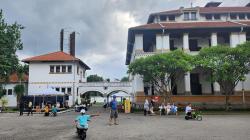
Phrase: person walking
(146, 107)
(30, 108)
(113, 111)
(21, 108)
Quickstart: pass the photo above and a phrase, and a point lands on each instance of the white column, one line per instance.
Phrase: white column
(216, 88)
(166, 42)
(214, 39)
(138, 45)
(185, 42)
(159, 42)
(162, 42)
(242, 37)
(187, 83)
(234, 39)
(237, 38)
(138, 83)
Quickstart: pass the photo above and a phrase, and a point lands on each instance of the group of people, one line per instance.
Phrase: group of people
(46, 108)
(168, 109)
(21, 108)
(163, 109)
(82, 119)
(53, 110)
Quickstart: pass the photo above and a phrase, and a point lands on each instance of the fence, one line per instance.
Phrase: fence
(209, 99)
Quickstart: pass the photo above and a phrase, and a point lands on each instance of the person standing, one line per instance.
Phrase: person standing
(46, 110)
(113, 111)
(105, 104)
(146, 107)
(30, 108)
(21, 107)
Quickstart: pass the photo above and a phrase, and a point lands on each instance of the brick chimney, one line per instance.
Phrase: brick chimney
(61, 40)
(72, 43)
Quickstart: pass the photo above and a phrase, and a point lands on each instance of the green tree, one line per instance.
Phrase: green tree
(10, 42)
(94, 78)
(108, 80)
(1, 91)
(125, 79)
(228, 66)
(162, 69)
(19, 92)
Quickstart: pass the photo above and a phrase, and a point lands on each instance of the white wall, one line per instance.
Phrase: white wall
(11, 98)
(40, 78)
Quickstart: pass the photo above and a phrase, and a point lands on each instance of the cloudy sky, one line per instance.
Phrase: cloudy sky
(101, 27)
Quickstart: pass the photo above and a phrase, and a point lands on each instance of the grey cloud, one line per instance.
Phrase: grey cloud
(100, 33)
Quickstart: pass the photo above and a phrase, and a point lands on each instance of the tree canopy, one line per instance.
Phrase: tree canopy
(125, 79)
(94, 78)
(228, 66)
(160, 69)
(10, 42)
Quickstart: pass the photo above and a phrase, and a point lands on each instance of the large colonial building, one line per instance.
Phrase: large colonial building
(189, 29)
(60, 71)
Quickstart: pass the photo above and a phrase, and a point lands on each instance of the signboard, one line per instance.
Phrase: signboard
(127, 106)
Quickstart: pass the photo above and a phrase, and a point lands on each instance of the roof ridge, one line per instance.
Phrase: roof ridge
(238, 23)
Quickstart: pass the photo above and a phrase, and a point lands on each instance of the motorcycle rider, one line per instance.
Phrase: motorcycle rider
(82, 119)
(189, 109)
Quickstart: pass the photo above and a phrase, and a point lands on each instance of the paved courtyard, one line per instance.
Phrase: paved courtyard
(131, 127)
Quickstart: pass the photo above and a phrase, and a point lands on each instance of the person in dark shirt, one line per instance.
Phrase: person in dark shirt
(21, 108)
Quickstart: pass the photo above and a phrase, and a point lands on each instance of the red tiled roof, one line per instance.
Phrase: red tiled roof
(245, 22)
(13, 78)
(186, 25)
(204, 10)
(55, 56)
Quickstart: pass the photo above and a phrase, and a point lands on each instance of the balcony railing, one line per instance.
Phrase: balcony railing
(106, 84)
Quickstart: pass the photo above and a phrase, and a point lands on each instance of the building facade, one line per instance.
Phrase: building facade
(189, 29)
(58, 70)
(9, 92)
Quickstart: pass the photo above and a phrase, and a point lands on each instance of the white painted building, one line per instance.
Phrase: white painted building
(8, 87)
(189, 29)
(58, 70)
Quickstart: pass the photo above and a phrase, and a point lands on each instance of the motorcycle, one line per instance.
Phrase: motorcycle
(82, 133)
(195, 115)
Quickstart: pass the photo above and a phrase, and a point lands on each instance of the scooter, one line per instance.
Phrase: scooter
(82, 133)
(195, 115)
(53, 114)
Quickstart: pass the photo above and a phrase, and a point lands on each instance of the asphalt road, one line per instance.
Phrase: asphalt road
(131, 127)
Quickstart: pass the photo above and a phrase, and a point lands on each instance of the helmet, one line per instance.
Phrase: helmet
(82, 111)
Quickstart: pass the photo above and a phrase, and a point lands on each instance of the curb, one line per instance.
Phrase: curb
(68, 110)
(17, 112)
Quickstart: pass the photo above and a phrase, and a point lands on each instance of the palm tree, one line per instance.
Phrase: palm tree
(19, 92)
(20, 89)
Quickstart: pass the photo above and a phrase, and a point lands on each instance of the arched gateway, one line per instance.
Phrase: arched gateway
(106, 88)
